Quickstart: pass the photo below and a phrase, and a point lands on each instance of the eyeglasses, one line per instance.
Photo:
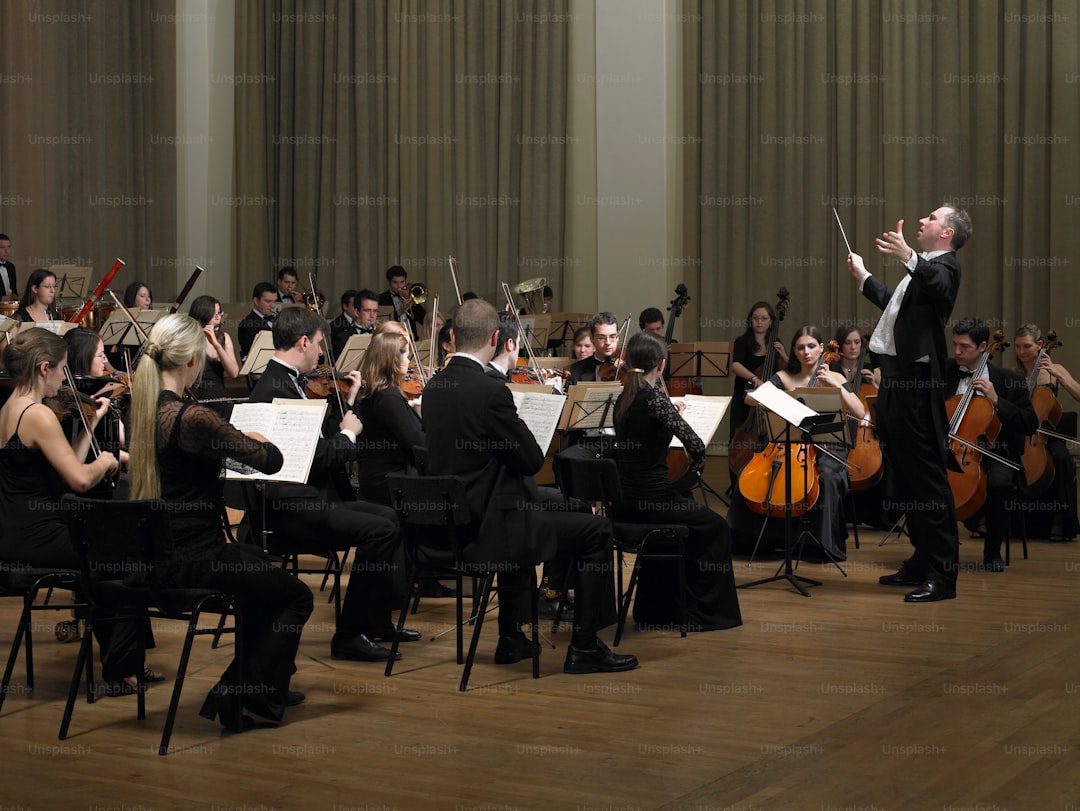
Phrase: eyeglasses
(46, 287)
(101, 355)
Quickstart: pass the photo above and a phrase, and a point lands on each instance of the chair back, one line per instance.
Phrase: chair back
(588, 479)
(434, 513)
(119, 540)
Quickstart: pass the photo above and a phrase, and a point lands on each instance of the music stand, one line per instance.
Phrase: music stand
(792, 414)
(60, 328)
(537, 328)
(7, 326)
(262, 349)
(352, 353)
(76, 280)
(564, 325)
(590, 406)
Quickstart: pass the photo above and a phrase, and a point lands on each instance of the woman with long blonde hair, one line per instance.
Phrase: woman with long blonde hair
(178, 448)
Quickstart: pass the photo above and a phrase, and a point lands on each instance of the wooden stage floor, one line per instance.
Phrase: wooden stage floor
(847, 700)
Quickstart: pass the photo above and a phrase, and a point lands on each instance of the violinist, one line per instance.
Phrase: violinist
(37, 466)
(220, 355)
(447, 342)
(1026, 343)
(38, 298)
(582, 343)
(324, 507)
(850, 342)
(645, 421)
(1006, 391)
(747, 359)
(87, 361)
(604, 333)
(177, 452)
(391, 423)
(909, 343)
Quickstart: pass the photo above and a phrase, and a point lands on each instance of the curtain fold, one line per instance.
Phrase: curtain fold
(400, 132)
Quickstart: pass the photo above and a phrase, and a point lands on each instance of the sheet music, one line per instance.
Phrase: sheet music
(702, 413)
(293, 426)
(778, 402)
(588, 404)
(540, 411)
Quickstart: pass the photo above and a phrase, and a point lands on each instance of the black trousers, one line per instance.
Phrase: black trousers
(912, 427)
(373, 530)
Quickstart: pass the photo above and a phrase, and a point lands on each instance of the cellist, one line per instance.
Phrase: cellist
(1065, 525)
(1007, 393)
(804, 366)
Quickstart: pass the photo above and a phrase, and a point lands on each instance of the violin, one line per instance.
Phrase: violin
(972, 417)
(865, 466)
(324, 383)
(749, 437)
(1036, 460)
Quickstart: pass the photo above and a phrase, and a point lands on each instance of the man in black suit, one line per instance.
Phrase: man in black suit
(474, 432)
(397, 296)
(604, 328)
(323, 508)
(9, 290)
(359, 316)
(1007, 393)
(909, 342)
(263, 304)
(286, 286)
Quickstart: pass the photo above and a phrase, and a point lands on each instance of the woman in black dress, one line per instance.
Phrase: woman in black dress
(645, 421)
(38, 297)
(220, 355)
(392, 426)
(37, 466)
(178, 448)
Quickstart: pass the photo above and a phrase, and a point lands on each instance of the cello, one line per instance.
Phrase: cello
(1038, 466)
(749, 437)
(864, 459)
(972, 417)
(763, 482)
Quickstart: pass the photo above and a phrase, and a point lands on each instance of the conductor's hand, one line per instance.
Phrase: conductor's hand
(856, 266)
(892, 243)
(351, 422)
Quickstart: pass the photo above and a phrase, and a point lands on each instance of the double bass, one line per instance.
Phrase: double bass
(678, 386)
(1037, 463)
(749, 437)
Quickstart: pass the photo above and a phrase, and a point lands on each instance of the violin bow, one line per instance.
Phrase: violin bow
(522, 337)
(453, 275)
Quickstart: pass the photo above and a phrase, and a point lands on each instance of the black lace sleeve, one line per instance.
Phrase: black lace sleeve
(205, 433)
(663, 411)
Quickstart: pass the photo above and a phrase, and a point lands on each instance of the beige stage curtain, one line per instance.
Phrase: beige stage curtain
(87, 137)
(884, 109)
(399, 132)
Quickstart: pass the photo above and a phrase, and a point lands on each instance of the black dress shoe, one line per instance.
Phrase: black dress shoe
(900, 578)
(598, 660)
(931, 592)
(359, 648)
(512, 649)
(294, 698)
(387, 635)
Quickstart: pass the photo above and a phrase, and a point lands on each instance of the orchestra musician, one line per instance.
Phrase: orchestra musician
(645, 421)
(850, 342)
(324, 507)
(804, 368)
(220, 356)
(474, 432)
(748, 353)
(286, 286)
(1063, 525)
(391, 423)
(604, 334)
(37, 466)
(177, 452)
(397, 296)
(909, 343)
(359, 316)
(38, 298)
(9, 290)
(263, 306)
(1007, 392)
(582, 343)
(138, 296)
(651, 320)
